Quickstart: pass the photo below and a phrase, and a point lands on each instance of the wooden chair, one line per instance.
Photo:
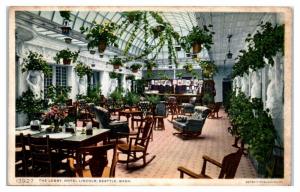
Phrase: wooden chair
(45, 160)
(22, 158)
(215, 110)
(138, 144)
(98, 162)
(159, 116)
(228, 166)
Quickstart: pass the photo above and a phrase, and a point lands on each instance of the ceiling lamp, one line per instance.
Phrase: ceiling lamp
(229, 54)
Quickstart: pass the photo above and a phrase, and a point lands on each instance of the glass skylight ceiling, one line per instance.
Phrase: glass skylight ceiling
(182, 23)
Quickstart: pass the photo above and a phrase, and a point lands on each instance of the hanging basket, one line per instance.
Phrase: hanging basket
(134, 70)
(116, 66)
(101, 46)
(68, 40)
(196, 47)
(66, 61)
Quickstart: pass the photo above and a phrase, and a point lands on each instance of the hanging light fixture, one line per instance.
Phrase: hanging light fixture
(229, 54)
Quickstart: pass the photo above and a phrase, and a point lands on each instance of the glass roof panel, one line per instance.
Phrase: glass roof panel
(47, 14)
(91, 16)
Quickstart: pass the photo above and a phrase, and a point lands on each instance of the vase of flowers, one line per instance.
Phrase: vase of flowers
(55, 117)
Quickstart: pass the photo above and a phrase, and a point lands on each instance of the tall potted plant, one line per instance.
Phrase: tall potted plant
(100, 35)
(67, 55)
(135, 67)
(116, 62)
(196, 38)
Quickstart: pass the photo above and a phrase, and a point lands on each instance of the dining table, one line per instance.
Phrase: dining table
(67, 140)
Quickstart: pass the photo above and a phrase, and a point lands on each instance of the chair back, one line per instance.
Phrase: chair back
(144, 106)
(230, 164)
(102, 116)
(160, 109)
(41, 154)
(98, 161)
(144, 133)
(22, 153)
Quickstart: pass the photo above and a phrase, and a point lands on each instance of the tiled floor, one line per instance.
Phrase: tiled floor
(171, 152)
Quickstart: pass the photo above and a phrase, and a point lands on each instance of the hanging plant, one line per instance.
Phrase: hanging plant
(65, 14)
(132, 16)
(114, 75)
(209, 69)
(268, 41)
(265, 43)
(198, 37)
(150, 64)
(100, 35)
(135, 67)
(82, 70)
(35, 61)
(179, 75)
(188, 67)
(116, 62)
(130, 77)
(67, 55)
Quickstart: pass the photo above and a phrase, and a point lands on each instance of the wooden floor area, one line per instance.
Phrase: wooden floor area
(171, 152)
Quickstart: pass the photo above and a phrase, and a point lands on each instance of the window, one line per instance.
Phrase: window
(61, 76)
(58, 79)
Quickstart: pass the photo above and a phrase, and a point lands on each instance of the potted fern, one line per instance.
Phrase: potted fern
(100, 35)
(35, 62)
(208, 68)
(67, 55)
(135, 67)
(196, 38)
(116, 62)
(82, 69)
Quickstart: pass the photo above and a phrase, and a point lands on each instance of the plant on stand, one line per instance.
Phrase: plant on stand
(100, 35)
(67, 55)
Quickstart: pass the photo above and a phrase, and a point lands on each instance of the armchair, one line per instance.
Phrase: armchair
(104, 119)
(228, 166)
(191, 126)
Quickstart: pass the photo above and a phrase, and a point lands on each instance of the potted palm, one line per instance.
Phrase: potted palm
(67, 55)
(198, 37)
(135, 67)
(100, 35)
(116, 62)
